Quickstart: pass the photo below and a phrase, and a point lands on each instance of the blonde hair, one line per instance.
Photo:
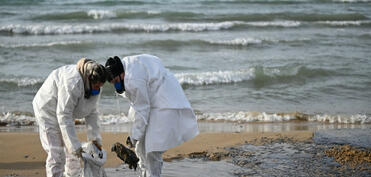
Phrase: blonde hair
(91, 73)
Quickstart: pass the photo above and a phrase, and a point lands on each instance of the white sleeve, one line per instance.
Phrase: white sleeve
(92, 126)
(67, 99)
(140, 106)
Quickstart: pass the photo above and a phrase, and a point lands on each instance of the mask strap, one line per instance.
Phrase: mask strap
(122, 82)
(88, 93)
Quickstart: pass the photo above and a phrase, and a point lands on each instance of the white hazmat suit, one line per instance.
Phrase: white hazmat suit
(58, 102)
(163, 117)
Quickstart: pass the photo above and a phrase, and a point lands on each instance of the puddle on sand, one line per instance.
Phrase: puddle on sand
(183, 168)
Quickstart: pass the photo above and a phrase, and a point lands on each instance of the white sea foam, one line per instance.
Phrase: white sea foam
(149, 12)
(246, 117)
(48, 44)
(253, 41)
(238, 41)
(219, 77)
(37, 29)
(357, 118)
(195, 27)
(275, 23)
(279, 117)
(22, 82)
(17, 119)
(108, 27)
(53, 29)
(344, 23)
(101, 14)
(112, 119)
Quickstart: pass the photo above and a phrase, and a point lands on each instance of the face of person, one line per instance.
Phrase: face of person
(97, 85)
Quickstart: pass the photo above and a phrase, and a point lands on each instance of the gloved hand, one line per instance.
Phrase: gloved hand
(97, 144)
(131, 142)
(134, 141)
(78, 152)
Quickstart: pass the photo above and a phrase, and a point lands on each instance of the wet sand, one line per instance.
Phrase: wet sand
(21, 153)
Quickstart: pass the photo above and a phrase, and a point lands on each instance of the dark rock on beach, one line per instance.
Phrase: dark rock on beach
(285, 157)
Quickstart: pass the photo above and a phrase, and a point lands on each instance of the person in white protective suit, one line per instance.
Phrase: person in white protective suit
(69, 92)
(163, 117)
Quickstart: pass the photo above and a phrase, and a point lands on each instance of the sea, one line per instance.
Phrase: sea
(241, 61)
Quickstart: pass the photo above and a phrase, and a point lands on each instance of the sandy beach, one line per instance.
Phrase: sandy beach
(22, 154)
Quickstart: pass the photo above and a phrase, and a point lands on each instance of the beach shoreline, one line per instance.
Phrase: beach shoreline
(22, 154)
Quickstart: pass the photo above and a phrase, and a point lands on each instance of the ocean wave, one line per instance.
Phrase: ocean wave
(351, 1)
(252, 1)
(308, 17)
(53, 29)
(56, 29)
(232, 42)
(275, 24)
(254, 41)
(258, 75)
(26, 119)
(100, 14)
(281, 19)
(48, 44)
(218, 77)
(238, 42)
(21, 82)
(288, 73)
(16, 119)
(257, 19)
(77, 15)
(291, 17)
(116, 14)
(20, 2)
(115, 27)
(192, 27)
(106, 2)
(279, 117)
(277, 1)
(345, 23)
